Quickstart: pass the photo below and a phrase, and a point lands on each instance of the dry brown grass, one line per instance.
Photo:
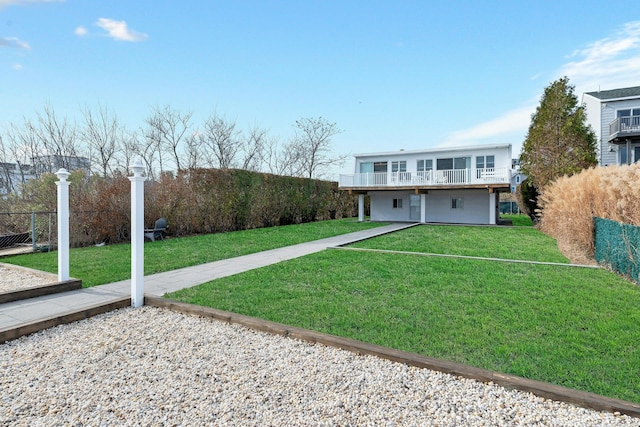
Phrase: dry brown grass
(569, 204)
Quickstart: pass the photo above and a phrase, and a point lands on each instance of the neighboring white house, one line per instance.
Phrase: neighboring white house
(517, 177)
(447, 185)
(51, 163)
(614, 115)
(13, 176)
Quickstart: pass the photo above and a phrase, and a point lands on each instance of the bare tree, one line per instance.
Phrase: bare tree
(128, 148)
(220, 140)
(192, 151)
(100, 133)
(6, 181)
(166, 128)
(25, 146)
(252, 147)
(59, 139)
(150, 152)
(272, 158)
(310, 152)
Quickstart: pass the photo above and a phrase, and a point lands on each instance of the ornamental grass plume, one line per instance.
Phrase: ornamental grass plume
(568, 205)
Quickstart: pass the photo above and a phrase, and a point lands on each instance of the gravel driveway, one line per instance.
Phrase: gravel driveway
(150, 366)
(13, 278)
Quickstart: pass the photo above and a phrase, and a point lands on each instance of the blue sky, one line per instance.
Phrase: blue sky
(392, 75)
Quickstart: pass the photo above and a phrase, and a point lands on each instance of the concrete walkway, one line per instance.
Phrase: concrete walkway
(18, 313)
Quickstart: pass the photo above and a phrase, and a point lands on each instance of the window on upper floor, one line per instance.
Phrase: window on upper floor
(485, 162)
(444, 164)
(629, 116)
(425, 165)
(453, 163)
(380, 167)
(399, 166)
(366, 167)
(628, 112)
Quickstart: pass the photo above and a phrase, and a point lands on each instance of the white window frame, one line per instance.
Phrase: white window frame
(455, 163)
(424, 165)
(457, 203)
(397, 203)
(380, 167)
(486, 162)
(398, 166)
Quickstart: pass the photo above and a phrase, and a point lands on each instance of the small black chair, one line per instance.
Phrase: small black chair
(157, 232)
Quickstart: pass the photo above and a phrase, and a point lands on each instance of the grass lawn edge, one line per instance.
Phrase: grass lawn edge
(538, 388)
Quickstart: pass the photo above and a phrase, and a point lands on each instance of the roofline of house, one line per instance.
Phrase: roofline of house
(604, 98)
(435, 150)
(623, 98)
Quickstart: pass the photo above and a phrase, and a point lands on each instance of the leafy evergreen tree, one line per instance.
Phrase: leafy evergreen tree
(527, 198)
(559, 141)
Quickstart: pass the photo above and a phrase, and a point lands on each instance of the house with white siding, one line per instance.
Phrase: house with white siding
(441, 185)
(614, 116)
(13, 176)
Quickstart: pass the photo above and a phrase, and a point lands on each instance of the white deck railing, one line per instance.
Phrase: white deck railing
(441, 177)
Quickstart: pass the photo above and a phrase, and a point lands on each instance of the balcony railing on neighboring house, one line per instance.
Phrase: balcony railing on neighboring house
(622, 126)
(428, 178)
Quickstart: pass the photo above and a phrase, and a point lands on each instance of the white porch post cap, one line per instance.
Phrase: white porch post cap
(137, 167)
(62, 174)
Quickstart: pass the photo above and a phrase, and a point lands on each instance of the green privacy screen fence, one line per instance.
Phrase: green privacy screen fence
(617, 245)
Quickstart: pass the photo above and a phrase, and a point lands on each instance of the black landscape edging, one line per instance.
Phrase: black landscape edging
(538, 388)
(12, 333)
(38, 291)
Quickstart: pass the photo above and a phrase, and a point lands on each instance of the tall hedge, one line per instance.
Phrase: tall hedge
(196, 201)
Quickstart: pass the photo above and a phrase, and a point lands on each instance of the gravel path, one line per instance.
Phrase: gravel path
(150, 366)
(13, 278)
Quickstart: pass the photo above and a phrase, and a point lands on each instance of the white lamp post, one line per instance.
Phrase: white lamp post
(63, 224)
(137, 233)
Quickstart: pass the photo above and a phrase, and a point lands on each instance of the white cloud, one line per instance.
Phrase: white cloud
(80, 31)
(118, 30)
(609, 63)
(497, 130)
(17, 67)
(509, 128)
(14, 42)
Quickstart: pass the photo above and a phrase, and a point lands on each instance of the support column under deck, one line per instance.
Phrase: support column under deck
(492, 208)
(361, 207)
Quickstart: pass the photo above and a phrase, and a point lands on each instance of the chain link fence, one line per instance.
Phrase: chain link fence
(22, 232)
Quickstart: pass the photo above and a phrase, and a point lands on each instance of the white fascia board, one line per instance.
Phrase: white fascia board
(435, 150)
(622, 98)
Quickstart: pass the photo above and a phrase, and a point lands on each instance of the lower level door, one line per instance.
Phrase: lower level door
(414, 207)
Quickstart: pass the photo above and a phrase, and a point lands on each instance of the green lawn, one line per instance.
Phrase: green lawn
(491, 242)
(571, 326)
(518, 220)
(106, 264)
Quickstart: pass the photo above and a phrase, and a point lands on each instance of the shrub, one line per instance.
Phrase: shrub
(196, 201)
(569, 204)
(527, 198)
